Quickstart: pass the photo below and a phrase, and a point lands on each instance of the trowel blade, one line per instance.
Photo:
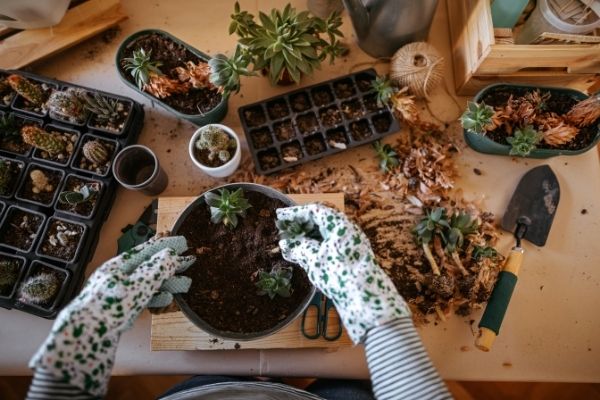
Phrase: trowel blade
(536, 198)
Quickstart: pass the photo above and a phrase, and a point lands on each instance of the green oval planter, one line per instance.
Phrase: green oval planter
(213, 116)
(483, 144)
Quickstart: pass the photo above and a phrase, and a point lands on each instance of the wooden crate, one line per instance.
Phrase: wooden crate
(479, 61)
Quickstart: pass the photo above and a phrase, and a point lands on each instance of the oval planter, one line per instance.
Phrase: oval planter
(483, 144)
(224, 170)
(212, 116)
(199, 322)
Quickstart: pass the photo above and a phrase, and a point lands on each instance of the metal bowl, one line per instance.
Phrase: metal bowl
(191, 315)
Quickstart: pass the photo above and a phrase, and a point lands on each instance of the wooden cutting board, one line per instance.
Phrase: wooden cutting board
(173, 331)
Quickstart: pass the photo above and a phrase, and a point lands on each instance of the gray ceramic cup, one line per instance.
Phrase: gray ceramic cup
(136, 167)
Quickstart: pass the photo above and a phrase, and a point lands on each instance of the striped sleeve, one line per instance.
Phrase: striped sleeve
(400, 366)
(45, 386)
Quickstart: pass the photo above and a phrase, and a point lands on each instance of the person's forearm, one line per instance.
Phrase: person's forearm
(45, 386)
(399, 364)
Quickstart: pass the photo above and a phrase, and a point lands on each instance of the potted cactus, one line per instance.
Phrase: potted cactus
(11, 140)
(43, 286)
(79, 196)
(40, 185)
(215, 149)
(232, 230)
(31, 95)
(54, 144)
(95, 155)
(532, 121)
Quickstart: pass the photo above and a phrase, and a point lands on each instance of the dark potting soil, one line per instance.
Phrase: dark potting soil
(360, 130)
(223, 291)
(284, 130)
(117, 124)
(45, 196)
(13, 270)
(202, 155)
(291, 152)
(307, 123)
(269, 159)
(255, 116)
(344, 89)
(559, 103)
(84, 209)
(300, 102)
(20, 229)
(14, 170)
(364, 82)
(261, 138)
(382, 123)
(352, 109)
(61, 240)
(330, 116)
(322, 96)
(83, 163)
(172, 55)
(13, 143)
(371, 104)
(277, 109)
(314, 145)
(335, 137)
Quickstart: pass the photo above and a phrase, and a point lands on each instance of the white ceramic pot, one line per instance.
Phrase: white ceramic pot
(31, 14)
(226, 169)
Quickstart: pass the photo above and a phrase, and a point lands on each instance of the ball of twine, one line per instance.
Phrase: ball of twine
(419, 66)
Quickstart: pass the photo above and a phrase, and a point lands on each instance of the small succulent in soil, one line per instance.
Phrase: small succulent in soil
(226, 72)
(9, 274)
(217, 142)
(388, 158)
(477, 118)
(83, 194)
(524, 141)
(297, 229)
(384, 88)
(148, 76)
(481, 252)
(45, 141)
(461, 225)
(9, 129)
(39, 289)
(68, 105)
(40, 182)
(227, 206)
(95, 152)
(106, 110)
(30, 91)
(278, 282)
(430, 225)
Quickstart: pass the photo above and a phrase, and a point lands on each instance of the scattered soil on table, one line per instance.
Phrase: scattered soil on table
(352, 109)
(25, 105)
(14, 143)
(330, 116)
(300, 102)
(360, 130)
(321, 96)
(118, 124)
(12, 272)
(60, 276)
(87, 165)
(61, 240)
(307, 123)
(291, 152)
(371, 104)
(43, 197)
(20, 229)
(14, 171)
(261, 138)
(284, 130)
(254, 116)
(344, 88)
(277, 109)
(172, 55)
(559, 103)
(223, 291)
(382, 123)
(69, 138)
(364, 82)
(314, 145)
(336, 138)
(269, 159)
(85, 208)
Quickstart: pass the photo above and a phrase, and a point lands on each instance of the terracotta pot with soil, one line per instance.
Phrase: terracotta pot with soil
(242, 288)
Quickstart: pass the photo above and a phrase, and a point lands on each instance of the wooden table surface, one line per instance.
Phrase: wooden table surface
(552, 331)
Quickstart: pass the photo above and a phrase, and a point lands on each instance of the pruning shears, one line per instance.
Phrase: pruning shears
(323, 306)
(141, 231)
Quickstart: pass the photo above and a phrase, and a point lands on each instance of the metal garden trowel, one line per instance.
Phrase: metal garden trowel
(529, 215)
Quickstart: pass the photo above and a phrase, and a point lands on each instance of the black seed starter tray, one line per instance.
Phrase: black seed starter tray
(313, 122)
(72, 272)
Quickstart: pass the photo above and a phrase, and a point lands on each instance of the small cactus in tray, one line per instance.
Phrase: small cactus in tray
(39, 138)
(30, 91)
(68, 105)
(39, 289)
(40, 182)
(9, 274)
(106, 110)
(95, 152)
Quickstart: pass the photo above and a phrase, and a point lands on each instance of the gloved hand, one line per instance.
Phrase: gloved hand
(82, 344)
(342, 265)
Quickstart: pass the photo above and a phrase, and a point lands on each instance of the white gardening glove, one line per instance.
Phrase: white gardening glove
(342, 265)
(82, 344)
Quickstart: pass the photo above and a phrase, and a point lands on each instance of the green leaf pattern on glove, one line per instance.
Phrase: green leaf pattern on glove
(344, 268)
(83, 341)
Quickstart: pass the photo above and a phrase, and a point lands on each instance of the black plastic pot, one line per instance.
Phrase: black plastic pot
(191, 315)
(92, 125)
(22, 268)
(46, 310)
(18, 167)
(39, 251)
(5, 229)
(26, 179)
(60, 129)
(213, 116)
(303, 128)
(64, 209)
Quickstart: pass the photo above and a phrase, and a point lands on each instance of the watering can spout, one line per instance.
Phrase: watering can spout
(359, 14)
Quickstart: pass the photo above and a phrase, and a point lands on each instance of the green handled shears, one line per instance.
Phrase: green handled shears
(323, 306)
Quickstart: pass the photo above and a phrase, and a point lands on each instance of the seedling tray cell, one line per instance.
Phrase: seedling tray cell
(90, 217)
(313, 122)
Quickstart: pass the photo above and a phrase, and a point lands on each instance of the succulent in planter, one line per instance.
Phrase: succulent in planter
(39, 289)
(226, 71)
(388, 158)
(9, 274)
(524, 141)
(277, 282)
(68, 105)
(214, 146)
(478, 118)
(227, 207)
(286, 43)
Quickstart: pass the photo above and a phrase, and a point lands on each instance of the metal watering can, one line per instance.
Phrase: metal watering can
(383, 26)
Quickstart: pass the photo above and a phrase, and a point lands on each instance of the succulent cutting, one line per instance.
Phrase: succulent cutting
(227, 207)
(277, 282)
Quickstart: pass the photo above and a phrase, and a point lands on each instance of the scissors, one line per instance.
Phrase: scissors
(322, 305)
